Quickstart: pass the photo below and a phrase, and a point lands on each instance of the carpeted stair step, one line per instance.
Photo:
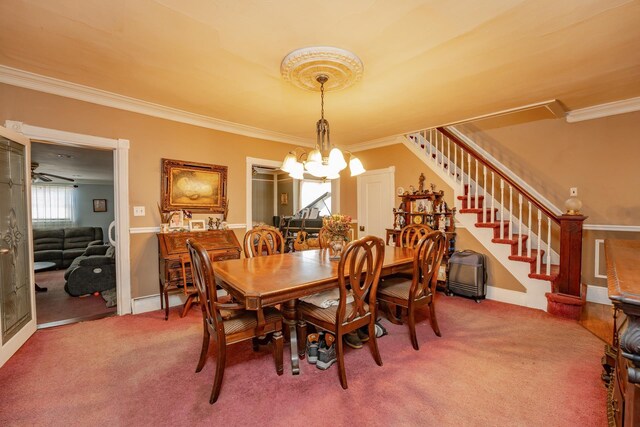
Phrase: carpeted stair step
(472, 205)
(524, 258)
(555, 269)
(481, 213)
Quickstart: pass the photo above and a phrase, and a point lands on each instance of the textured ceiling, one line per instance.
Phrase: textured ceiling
(425, 62)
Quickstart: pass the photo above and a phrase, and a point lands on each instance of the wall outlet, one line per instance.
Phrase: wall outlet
(573, 191)
(138, 211)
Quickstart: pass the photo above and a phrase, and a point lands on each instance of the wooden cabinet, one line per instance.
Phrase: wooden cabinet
(172, 247)
(622, 359)
(428, 208)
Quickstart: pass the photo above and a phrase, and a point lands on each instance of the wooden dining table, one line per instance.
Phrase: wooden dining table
(283, 278)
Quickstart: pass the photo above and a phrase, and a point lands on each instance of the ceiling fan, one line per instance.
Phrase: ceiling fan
(43, 176)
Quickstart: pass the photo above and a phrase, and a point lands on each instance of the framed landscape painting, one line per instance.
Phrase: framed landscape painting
(197, 187)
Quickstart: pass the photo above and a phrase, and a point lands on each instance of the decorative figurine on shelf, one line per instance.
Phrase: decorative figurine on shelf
(210, 225)
(401, 222)
(412, 189)
(441, 224)
(421, 183)
(433, 187)
(429, 206)
(218, 223)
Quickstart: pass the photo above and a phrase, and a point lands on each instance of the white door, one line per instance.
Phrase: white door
(375, 202)
(17, 290)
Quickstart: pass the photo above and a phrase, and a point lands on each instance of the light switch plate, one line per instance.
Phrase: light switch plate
(138, 211)
(573, 191)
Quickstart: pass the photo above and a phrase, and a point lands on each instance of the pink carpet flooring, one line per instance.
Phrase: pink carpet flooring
(495, 365)
(56, 304)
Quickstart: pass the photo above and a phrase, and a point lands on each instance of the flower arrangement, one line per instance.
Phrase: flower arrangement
(338, 226)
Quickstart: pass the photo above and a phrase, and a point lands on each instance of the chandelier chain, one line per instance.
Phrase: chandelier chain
(322, 101)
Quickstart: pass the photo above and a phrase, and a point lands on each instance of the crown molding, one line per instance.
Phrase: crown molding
(28, 80)
(604, 110)
(375, 143)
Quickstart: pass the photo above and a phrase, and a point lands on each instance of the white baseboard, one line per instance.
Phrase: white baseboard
(152, 302)
(598, 294)
(506, 295)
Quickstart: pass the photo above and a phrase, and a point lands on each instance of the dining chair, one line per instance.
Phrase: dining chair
(240, 326)
(188, 287)
(323, 238)
(411, 235)
(358, 275)
(263, 240)
(419, 290)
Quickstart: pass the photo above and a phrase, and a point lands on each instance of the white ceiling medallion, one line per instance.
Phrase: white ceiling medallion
(302, 67)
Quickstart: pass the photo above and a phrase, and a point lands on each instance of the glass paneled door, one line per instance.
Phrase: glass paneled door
(17, 317)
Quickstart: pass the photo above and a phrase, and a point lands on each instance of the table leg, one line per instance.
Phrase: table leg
(289, 311)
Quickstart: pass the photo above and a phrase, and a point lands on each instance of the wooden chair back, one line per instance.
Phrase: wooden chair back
(263, 240)
(411, 235)
(427, 259)
(204, 281)
(323, 238)
(361, 262)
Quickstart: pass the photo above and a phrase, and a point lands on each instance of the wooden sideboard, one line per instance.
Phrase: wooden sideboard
(622, 359)
(220, 244)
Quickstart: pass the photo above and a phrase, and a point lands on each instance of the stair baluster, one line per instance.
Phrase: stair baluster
(484, 200)
(501, 209)
(493, 199)
(538, 257)
(520, 225)
(476, 196)
(510, 212)
(548, 246)
(529, 233)
(469, 180)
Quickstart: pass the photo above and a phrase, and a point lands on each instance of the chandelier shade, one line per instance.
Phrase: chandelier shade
(324, 160)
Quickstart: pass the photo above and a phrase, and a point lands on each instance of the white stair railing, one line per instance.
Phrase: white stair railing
(455, 159)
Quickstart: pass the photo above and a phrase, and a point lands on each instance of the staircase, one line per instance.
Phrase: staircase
(538, 244)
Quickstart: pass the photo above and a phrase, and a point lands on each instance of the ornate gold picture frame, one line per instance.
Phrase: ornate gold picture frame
(197, 187)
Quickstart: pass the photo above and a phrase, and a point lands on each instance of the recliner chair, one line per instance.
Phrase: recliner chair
(93, 271)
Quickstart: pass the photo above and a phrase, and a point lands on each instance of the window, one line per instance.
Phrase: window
(52, 206)
(311, 190)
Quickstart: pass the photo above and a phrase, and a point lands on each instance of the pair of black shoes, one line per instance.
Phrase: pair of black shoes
(356, 338)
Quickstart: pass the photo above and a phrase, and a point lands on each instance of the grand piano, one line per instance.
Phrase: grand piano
(308, 219)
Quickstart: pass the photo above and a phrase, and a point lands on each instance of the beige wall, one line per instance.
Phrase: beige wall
(151, 139)
(408, 169)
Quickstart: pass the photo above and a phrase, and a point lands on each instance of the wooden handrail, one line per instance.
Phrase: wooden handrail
(504, 176)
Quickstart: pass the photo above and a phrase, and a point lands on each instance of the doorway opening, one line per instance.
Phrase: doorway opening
(72, 205)
(292, 205)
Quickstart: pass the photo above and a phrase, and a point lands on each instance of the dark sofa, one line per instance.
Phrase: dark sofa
(63, 245)
(93, 271)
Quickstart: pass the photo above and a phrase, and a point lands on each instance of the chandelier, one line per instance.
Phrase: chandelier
(304, 67)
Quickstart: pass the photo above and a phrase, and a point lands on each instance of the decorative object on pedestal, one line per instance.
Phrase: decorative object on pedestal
(338, 227)
(573, 205)
(421, 183)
